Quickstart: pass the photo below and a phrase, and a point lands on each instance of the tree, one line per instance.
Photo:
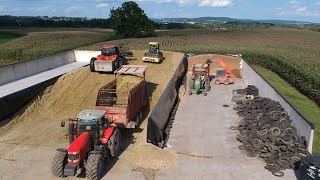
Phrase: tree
(129, 20)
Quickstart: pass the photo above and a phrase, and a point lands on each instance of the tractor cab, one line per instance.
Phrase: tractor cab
(221, 73)
(92, 121)
(108, 50)
(200, 80)
(154, 47)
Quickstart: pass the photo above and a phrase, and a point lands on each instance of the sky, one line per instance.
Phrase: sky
(301, 10)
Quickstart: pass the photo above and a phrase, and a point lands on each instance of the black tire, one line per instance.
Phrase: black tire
(94, 166)
(207, 85)
(191, 84)
(226, 82)
(58, 164)
(217, 82)
(205, 93)
(190, 92)
(114, 143)
(70, 133)
(92, 68)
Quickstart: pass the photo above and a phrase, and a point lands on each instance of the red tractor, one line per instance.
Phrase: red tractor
(223, 76)
(109, 60)
(95, 135)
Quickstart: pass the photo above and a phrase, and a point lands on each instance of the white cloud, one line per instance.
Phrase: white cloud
(2, 8)
(209, 3)
(102, 5)
(72, 9)
(42, 9)
(298, 8)
(215, 3)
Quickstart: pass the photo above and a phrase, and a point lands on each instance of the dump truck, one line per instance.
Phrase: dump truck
(109, 60)
(223, 76)
(200, 79)
(95, 135)
(154, 54)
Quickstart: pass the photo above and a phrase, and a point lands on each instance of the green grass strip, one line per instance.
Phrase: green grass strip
(306, 106)
(4, 38)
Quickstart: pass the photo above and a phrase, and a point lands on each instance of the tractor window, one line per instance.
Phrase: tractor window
(108, 52)
(153, 49)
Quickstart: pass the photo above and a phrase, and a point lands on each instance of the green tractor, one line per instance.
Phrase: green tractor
(200, 79)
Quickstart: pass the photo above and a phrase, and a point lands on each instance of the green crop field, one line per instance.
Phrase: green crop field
(36, 44)
(6, 37)
(293, 54)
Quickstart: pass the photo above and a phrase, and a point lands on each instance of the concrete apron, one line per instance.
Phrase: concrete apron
(20, 82)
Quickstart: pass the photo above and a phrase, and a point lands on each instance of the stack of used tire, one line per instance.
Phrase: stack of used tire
(266, 131)
(243, 94)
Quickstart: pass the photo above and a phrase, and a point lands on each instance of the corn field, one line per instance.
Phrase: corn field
(292, 54)
(40, 44)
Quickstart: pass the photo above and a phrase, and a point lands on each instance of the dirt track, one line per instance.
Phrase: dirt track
(28, 143)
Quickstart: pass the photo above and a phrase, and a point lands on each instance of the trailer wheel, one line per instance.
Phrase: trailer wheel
(94, 166)
(217, 82)
(92, 68)
(114, 143)
(70, 133)
(226, 82)
(58, 164)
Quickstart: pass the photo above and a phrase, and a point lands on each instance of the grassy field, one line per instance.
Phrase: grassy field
(6, 37)
(307, 107)
(36, 44)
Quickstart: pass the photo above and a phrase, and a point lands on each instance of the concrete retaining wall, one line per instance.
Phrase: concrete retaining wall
(85, 56)
(304, 127)
(13, 72)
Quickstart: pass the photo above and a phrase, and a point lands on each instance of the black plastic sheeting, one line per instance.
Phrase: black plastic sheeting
(162, 112)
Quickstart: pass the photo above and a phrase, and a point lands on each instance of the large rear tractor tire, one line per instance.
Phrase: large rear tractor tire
(70, 133)
(58, 164)
(92, 68)
(94, 166)
(207, 85)
(114, 143)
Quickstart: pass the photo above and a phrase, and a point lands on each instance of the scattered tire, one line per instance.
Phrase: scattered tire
(225, 105)
(94, 166)
(266, 131)
(278, 173)
(58, 163)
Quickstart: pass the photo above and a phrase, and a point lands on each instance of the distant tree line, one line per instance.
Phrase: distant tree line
(45, 21)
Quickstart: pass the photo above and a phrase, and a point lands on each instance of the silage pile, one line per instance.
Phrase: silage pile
(125, 83)
(148, 156)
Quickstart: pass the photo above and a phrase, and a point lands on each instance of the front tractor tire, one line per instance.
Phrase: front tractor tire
(92, 68)
(70, 133)
(58, 163)
(114, 143)
(94, 166)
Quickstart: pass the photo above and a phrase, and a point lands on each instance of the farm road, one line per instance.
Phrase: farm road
(206, 148)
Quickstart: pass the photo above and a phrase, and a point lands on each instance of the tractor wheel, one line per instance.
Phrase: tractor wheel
(207, 85)
(58, 163)
(70, 133)
(114, 143)
(94, 166)
(92, 68)
(191, 84)
(190, 92)
(226, 82)
(205, 93)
